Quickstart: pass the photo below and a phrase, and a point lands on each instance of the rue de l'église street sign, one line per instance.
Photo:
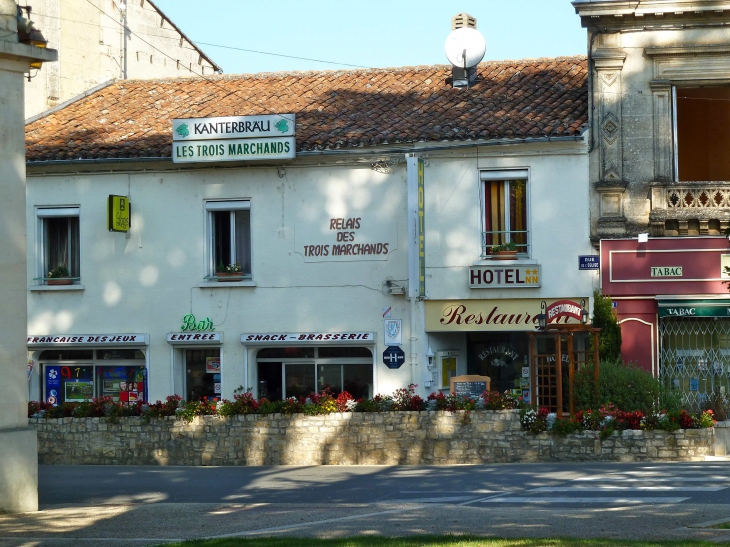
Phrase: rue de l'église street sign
(234, 138)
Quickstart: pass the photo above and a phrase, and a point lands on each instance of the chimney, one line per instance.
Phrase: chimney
(463, 20)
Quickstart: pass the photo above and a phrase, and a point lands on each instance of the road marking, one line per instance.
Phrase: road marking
(450, 499)
(475, 492)
(555, 500)
(721, 478)
(601, 488)
(288, 527)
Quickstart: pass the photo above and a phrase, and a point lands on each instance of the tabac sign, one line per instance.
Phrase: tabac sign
(233, 138)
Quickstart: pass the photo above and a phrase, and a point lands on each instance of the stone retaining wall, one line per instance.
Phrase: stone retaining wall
(437, 438)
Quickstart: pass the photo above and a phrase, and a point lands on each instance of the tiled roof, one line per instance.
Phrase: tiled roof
(335, 110)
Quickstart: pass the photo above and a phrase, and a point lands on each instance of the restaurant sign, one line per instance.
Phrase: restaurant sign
(500, 277)
(233, 138)
(518, 314)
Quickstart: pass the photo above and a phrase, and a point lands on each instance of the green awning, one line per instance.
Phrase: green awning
(694, 308)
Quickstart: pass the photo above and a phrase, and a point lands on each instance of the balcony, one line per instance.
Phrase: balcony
(690, 208)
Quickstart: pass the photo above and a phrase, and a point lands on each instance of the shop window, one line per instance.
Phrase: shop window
(505, 210)
(79, 382)
(229, 236)
(702, 132)
(501, 356)
(332, 368)
(202, 374)
(58, 241)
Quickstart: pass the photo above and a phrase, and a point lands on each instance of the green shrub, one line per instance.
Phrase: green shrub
(609, 339)
(626, 386)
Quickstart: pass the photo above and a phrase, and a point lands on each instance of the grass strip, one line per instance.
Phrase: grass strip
(435, 541)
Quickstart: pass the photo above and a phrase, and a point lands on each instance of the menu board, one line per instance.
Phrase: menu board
(470, 385)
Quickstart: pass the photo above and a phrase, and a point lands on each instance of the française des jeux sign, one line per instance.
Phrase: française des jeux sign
(234, 138)
(118, 213)
(503, 276)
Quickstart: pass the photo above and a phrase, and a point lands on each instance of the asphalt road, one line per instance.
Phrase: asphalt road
(135, 506)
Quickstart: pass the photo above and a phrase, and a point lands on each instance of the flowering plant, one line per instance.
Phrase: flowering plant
(230, 268)
(59, 271)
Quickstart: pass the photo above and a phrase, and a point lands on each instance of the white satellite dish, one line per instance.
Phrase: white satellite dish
(465, 47)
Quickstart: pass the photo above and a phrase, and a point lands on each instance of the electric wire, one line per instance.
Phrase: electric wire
(229, 92)
(194, 42)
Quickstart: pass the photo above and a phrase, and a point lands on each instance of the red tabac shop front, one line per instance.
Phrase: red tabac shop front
(673, 308)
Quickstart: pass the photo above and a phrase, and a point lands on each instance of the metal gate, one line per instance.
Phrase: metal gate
(694, 358)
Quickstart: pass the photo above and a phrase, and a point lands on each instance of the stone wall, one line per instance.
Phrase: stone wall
(437, 438)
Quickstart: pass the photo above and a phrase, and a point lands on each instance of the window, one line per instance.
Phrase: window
(505, 209)
(301, 371)
(229, 229)
(58, 230)
(702, 133)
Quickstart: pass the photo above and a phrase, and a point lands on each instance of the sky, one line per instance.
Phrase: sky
(368, 33)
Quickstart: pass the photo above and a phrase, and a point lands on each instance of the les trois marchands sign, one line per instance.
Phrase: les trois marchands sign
(234, 138)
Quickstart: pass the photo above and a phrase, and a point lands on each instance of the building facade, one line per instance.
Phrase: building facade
(355, 253)
(93, 48)
(659, 182)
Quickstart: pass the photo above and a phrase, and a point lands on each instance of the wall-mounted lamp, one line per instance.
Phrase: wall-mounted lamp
(643, 238)
(584, 316)
(430, 356)
(541, 317)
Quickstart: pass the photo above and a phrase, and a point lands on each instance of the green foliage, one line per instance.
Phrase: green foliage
(625, 386)
(59, 271)
(566, 426)
(509, 246)
(609, 339)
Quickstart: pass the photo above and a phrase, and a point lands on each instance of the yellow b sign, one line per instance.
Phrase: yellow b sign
(118, 214)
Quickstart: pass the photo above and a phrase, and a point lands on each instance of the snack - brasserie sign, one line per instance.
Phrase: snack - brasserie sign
(233, 138)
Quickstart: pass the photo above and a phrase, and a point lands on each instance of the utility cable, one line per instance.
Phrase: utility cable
(193, 42)
(228, 91)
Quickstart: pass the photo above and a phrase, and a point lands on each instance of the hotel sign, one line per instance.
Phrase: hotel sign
(233, 138)
(501, 277)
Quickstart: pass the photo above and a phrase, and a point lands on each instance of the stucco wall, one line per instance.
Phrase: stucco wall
(439, 438)
(146, 282)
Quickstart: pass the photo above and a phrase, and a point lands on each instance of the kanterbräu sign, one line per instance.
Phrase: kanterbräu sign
(563, 308)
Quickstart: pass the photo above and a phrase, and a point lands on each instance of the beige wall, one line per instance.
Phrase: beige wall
(91, 46)
(19, 470)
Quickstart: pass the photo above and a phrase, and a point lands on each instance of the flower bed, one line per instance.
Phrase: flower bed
(608, 419)
(245, 403)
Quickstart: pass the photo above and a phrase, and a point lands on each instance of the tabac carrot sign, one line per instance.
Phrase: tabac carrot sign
(563, 308)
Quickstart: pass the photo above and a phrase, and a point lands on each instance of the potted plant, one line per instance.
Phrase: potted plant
(504, 251)
(59, 276)
(232, 272)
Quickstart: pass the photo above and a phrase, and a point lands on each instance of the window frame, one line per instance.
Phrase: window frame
(43, 212)
(505, 176)
(231, 206)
